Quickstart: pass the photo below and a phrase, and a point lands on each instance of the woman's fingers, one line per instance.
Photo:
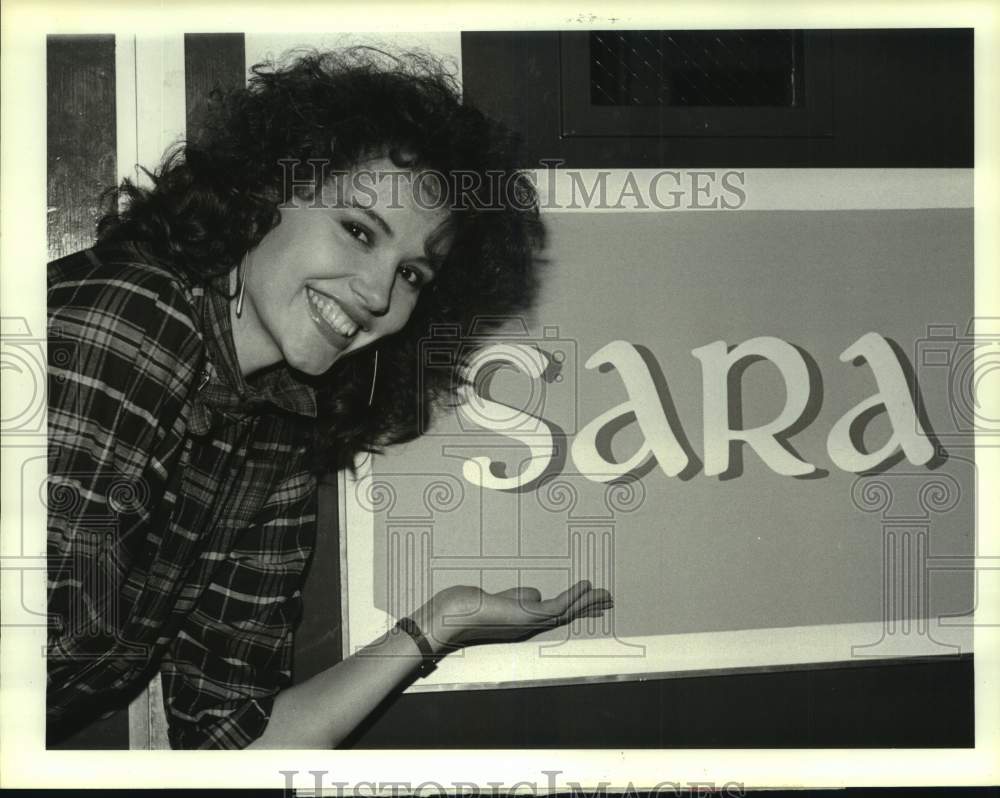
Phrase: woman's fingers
(593, 603)
(591, 598)
(581, 600)
(562, 603)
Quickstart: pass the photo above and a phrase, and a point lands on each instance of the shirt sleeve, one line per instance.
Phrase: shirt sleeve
(233, 655)
(123, 352)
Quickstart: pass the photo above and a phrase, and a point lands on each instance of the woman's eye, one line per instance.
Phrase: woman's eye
(360, 232)
(412, 276)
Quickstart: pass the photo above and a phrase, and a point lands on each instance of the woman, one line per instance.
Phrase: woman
(249, 322)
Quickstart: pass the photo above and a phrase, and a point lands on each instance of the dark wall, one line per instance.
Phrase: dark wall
(212, 61)
(900, 98)
(912, 705)
(81, 157)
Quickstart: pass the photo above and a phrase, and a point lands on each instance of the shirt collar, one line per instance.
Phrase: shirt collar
(225, 387)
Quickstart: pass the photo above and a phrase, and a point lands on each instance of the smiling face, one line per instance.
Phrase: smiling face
(331, 280)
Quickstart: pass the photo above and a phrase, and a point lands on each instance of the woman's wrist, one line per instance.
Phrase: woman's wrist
(431, 620)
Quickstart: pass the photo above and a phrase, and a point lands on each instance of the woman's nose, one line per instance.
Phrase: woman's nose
(374, 288)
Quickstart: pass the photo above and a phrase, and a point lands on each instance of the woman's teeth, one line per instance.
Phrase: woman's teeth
(332, 313)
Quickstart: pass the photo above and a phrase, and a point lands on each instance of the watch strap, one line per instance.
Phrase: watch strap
(428, 662)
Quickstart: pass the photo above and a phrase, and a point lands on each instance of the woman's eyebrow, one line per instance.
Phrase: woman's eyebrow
(376, 218)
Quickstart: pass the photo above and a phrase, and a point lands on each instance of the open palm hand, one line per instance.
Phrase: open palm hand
(464, 615)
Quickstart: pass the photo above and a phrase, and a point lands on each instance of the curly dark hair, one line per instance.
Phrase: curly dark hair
(217, 194)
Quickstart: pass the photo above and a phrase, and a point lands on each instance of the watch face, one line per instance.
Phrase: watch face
(427, 666)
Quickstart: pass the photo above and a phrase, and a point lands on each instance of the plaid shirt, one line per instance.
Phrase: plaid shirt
(181, 510)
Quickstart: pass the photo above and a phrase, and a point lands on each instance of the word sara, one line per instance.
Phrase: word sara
(659, 437)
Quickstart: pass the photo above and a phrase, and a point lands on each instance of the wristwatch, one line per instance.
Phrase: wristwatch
(428, 662)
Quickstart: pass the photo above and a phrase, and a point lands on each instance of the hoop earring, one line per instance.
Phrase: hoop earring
(371, 395)
(241, 280)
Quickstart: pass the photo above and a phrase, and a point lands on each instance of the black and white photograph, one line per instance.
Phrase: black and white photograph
(589, 401)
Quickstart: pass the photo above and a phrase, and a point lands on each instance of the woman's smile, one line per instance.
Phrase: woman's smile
(331, 319)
